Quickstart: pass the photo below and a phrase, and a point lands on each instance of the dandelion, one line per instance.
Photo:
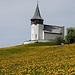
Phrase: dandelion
(41, 60)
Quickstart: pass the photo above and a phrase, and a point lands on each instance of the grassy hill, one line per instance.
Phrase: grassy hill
(37, 59)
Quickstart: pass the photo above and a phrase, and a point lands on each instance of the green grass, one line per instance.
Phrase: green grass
(42, 44)
(22, 48)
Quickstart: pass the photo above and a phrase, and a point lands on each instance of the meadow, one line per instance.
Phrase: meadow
(37, 59)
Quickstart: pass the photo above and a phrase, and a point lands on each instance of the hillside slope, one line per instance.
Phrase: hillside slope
(38, 60)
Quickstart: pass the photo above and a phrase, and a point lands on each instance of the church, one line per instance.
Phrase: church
(42, 32)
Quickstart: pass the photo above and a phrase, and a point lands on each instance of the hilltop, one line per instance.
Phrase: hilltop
(37, 59)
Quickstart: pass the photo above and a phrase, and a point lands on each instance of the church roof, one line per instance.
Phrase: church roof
(53, 29)
(37, 13)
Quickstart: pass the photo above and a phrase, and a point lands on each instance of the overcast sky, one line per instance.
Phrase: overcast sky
(15, 17)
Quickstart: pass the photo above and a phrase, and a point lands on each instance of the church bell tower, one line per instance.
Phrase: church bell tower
(37, 19)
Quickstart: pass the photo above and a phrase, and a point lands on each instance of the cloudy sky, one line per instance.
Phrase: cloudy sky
(15, 17)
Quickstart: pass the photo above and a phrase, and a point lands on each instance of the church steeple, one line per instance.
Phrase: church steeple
(37, 19)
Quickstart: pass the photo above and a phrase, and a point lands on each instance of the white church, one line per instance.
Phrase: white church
(42, 32)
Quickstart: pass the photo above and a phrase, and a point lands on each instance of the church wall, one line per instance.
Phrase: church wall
(34, 32)
(48, 36)
(63, 32)
(41, 27)
(52, 36)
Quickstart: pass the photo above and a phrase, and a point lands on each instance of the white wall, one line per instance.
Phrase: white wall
(34, 32)
(41, 27)
(37, 29)
(41, 35)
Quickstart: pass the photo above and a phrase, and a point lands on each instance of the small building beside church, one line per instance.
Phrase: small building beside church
(43, 32)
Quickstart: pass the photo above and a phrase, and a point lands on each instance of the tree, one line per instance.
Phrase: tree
(70, 37)
(58, 40)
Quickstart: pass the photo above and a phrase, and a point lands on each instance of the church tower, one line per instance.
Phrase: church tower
(36, 24)
(37, 19)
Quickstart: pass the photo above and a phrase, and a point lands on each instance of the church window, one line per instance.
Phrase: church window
(35, 35)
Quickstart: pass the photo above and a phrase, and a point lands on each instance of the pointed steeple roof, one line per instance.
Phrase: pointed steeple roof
(37, 13)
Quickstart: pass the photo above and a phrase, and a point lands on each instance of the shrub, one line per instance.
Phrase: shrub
(58, 40)
(70, 37)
